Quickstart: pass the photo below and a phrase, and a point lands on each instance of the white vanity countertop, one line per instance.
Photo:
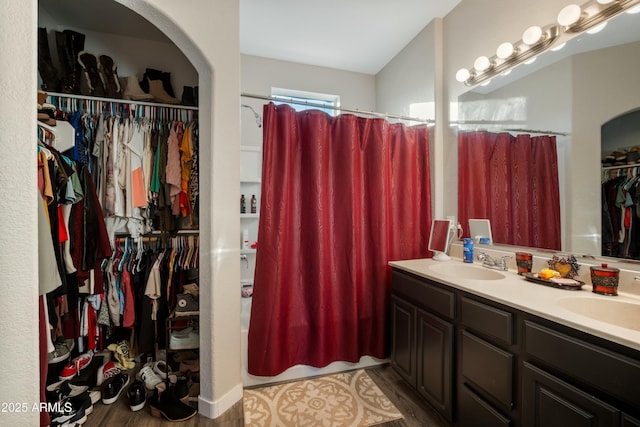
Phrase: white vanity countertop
(543, 301)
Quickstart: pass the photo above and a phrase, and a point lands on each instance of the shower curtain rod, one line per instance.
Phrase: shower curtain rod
(348, 110)
(498, 124)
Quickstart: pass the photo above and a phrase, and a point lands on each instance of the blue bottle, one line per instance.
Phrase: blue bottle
(467, 250)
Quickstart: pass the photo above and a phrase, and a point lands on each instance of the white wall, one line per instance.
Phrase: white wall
(18, 251)
(409, 77)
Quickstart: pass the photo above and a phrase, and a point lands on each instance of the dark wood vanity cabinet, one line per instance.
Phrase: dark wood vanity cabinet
(422, 339)
(487, 364)
(481, 363)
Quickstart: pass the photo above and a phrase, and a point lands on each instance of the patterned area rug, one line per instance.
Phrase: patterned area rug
(349, 399)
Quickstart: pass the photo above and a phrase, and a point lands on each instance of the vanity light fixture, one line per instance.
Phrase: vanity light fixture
(505, 50)
(569, 15)
(482, 64)
(572, 19)
(532, 35)
(463, 75)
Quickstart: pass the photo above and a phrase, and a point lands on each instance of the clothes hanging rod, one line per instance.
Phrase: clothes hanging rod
(331, 107)
(609, 168)
(121, 101)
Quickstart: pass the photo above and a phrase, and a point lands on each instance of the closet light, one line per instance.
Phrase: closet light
(597, 28)
(482, 63)
(569, 15)
(505, 50)
(532, 35)
(557, 48)
(463, 75)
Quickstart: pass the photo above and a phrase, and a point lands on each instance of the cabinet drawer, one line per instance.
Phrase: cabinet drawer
(487, 320)
(423, 294)
(546, 401)
(596, 367)
(476, 412)
(488, 367)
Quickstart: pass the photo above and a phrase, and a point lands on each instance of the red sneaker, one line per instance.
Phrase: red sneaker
(106, 371)
(75, 366)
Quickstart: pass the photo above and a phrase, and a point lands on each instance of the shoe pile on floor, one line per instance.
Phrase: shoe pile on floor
(101, 73)
(89, 379)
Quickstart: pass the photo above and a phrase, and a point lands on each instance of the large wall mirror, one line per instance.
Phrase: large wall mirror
(572, 93)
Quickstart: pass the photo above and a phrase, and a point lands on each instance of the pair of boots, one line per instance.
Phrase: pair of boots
(69, 44)
(101, 73)
(158, 84)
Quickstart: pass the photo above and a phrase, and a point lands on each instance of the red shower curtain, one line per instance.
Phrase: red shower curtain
(513, 181)
(341, 196)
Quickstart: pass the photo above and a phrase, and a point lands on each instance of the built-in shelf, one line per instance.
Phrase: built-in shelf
(250, 180)
(247, 251)
(249, 216)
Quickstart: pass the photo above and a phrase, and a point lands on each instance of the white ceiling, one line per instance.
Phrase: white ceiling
(354, 35)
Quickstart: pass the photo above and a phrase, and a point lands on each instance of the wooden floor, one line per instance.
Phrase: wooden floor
(416, 412)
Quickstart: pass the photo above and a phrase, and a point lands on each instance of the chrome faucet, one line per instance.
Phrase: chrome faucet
(496, 264)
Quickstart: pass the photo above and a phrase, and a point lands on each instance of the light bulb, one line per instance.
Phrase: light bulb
(505, 50)
(605, 1)
(532, 35)
(530, 61)
(463, 75)
(560, 46)
(597, 28)
(506, 73)
(482, 63)
(487, 83)
(569, 15)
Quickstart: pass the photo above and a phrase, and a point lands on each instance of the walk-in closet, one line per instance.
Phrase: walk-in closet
(118, 175)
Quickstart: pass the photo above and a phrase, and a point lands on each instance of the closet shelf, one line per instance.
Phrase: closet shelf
(249, 216)
(250, 180)
(247, 251)
(121, 101)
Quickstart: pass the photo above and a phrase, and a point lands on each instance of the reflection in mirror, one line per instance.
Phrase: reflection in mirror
(567, 95)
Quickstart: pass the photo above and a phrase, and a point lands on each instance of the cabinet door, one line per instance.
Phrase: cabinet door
(403, 351)
(548, 401)
(435, 361)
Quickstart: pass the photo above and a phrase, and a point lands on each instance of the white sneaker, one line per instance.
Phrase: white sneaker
(161, 369)
(148, 377)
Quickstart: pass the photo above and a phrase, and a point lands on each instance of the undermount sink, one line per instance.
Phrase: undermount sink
(466, 271)
(625, 314)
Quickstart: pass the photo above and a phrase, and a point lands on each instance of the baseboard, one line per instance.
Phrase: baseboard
(214, 409)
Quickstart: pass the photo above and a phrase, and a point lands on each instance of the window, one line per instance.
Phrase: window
(317, 100)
